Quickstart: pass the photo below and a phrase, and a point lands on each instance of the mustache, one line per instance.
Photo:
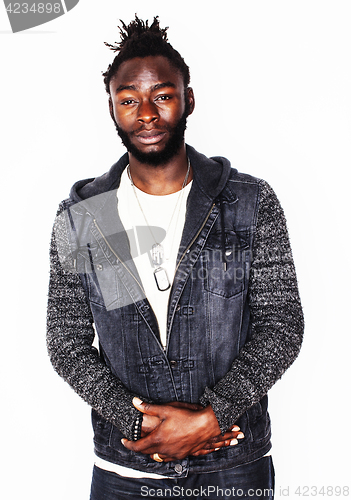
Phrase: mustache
(145, 128)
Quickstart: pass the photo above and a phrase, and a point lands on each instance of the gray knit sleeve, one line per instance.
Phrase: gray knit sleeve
(70, 335)
(276, 315)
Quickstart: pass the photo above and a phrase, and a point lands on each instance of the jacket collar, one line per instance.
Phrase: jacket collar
(210, 175)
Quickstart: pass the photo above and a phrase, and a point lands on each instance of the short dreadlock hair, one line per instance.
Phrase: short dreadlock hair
(138, 39)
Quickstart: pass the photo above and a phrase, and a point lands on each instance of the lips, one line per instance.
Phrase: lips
(150, 136)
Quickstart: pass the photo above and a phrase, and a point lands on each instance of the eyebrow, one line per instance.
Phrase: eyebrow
(153, 88)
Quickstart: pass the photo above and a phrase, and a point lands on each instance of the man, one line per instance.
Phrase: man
(183, 266)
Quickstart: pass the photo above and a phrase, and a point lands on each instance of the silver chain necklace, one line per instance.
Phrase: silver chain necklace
(157, 250)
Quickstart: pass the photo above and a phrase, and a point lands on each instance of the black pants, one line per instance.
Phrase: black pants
(250, 481)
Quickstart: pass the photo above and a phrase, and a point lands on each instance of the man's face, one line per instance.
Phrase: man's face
(150, 107)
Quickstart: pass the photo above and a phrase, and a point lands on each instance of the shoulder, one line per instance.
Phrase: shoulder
(243, 187)
(240, 177)
(249, 183)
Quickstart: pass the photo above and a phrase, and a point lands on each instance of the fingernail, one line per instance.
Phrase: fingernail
(235, 428)
(216, 449)
(240, 435)
(123, 441)
(137, 401)
(233, 442)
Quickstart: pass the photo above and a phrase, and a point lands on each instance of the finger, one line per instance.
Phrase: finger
(205, 451)
(228, 442)
(225, 437)
(147, 445)
(209, 448)
(220, 443)
(139, 446)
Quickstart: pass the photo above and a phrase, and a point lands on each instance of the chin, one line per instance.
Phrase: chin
(153, 158)
(161, 154)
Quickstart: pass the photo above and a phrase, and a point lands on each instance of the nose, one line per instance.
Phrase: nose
(147, 112)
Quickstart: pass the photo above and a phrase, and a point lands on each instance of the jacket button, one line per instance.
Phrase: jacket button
(178, 468)
(99, 267)
(173, 363)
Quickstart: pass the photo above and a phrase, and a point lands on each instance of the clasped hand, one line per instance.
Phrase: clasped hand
(176, 430)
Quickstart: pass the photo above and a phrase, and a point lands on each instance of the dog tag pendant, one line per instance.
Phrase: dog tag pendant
(157, 254)
(161, 279)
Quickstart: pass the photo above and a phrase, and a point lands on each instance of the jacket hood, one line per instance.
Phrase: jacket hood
(210, 174)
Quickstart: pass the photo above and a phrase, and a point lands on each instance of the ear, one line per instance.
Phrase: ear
(191, 100)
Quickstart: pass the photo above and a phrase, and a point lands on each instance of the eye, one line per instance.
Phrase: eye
(163, 97)
(127, 101)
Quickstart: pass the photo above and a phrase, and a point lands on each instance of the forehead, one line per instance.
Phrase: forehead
(145, 72)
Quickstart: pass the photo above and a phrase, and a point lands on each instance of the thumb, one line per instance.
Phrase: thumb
(147, 408)
(137, 402)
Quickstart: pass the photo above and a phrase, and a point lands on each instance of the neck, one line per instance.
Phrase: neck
(164, 179)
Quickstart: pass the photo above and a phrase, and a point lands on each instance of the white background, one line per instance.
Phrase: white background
(272, 82)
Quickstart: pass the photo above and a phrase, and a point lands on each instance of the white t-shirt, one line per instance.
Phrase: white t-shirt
(159, 220)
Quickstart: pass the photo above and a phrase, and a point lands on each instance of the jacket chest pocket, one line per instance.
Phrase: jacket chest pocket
(226, 264)
(104, 287)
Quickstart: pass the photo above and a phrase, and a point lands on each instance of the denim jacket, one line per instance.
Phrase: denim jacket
(209, 313)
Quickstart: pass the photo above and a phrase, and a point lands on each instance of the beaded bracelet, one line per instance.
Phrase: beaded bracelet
(137, 428)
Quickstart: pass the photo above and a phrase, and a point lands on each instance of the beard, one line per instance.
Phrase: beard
(171, 148)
